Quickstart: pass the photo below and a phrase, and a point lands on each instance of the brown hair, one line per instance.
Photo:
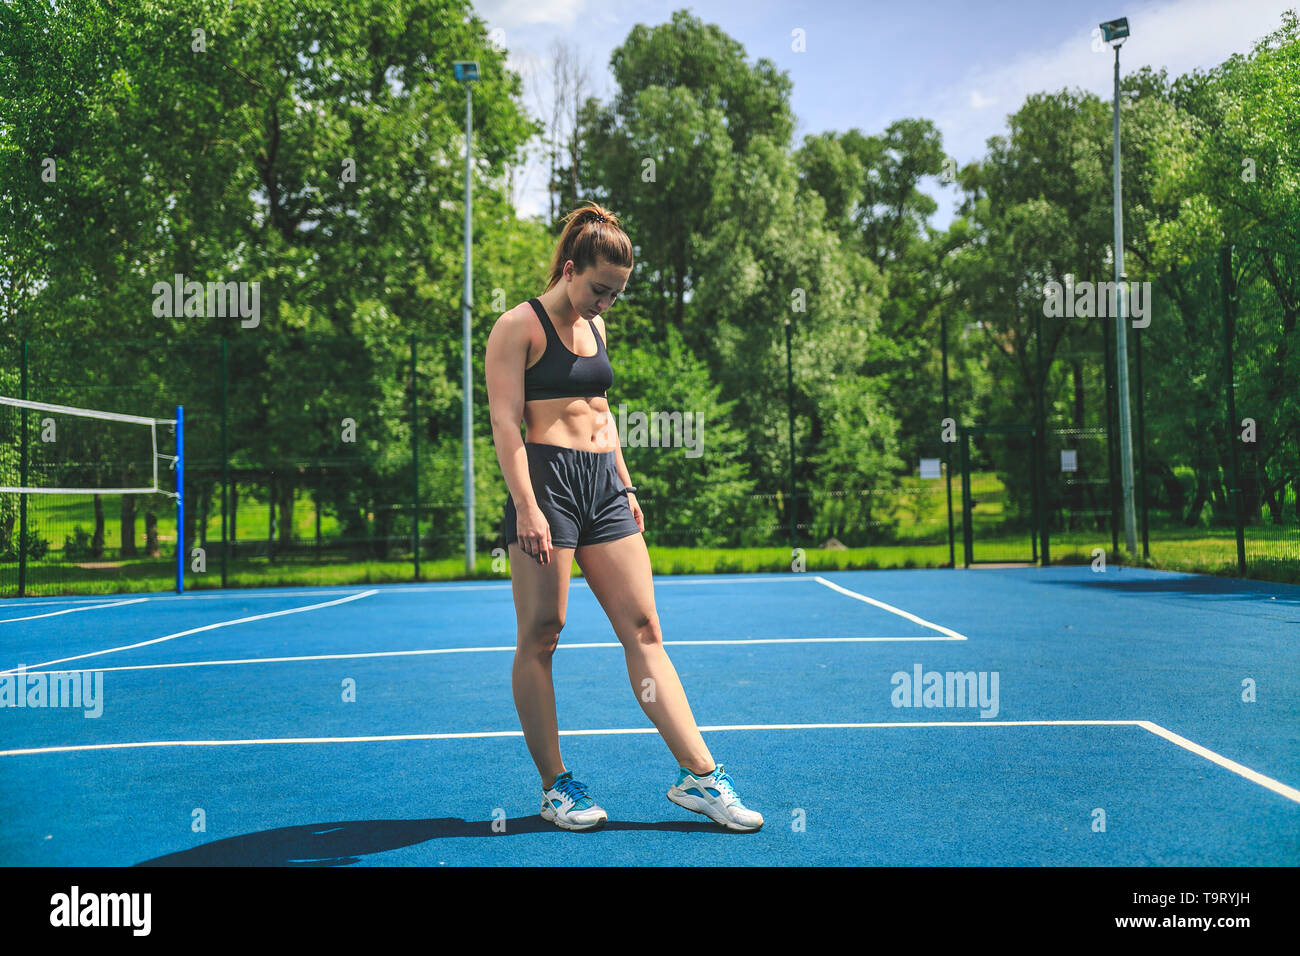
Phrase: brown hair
(591, 232)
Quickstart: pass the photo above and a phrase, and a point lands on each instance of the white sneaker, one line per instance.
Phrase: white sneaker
(567, 805)
(714, 795)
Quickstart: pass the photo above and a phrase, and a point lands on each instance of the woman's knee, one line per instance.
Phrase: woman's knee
(541, 633)
(646, 631)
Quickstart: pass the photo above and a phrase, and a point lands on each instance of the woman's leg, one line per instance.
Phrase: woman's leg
(618, 573)
(541, 599)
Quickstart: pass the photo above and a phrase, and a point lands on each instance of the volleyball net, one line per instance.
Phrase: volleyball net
(52, 449)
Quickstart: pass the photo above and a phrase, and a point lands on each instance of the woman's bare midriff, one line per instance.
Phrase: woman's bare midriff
(581, 423)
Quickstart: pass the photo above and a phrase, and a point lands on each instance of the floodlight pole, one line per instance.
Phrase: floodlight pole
(1121, 347)
(789, 403)
(467, 430)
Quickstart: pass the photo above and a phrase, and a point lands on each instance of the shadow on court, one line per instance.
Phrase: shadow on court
(342, 844)
(1113, 581)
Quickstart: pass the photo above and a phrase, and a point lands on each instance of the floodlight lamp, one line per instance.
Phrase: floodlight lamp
(1114, 29)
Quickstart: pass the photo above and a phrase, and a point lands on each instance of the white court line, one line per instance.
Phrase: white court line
(606, 731)
(1269, 783)
(196, 630)
(952, 635)
(433, 586)
(660, 581)
(663, 579)
(71, 610)
(24, 603)
(463, 650)
(1291, 793)
(1252, 775)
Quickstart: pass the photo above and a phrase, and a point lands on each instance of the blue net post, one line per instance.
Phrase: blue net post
(180, 499)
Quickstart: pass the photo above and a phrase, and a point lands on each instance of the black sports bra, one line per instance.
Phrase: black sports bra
(563, 374)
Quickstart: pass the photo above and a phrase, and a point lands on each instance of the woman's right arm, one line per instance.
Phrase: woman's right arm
(503, 367)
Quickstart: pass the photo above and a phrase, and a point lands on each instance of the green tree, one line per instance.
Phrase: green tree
(695, 492)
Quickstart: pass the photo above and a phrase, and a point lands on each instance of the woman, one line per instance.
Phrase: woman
(571, 497)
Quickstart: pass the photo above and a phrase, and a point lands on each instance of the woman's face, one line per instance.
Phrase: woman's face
(594, 291)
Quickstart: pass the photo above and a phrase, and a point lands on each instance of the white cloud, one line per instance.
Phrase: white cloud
(513, 13)
(1177, 35)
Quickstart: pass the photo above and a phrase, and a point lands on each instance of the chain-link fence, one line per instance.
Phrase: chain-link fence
(1220, 388)
(318, 460)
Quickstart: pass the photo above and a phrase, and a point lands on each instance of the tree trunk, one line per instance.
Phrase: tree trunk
(1173, 488)
(1272, 501)
(234, 513)
(1272, 494)
(1220, 508)
(1250, 490)
(1199, 497)
(287, 495)
(128, 526)
(270, 521)
(1076, 368)
(356, 530)
(185, 537)
(204, 504)
(97, 539)
(151, 549)
(383, 525)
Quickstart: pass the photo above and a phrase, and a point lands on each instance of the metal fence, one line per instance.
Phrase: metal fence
(333, 461)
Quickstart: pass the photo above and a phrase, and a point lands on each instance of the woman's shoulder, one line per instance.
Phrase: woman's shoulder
(520, 325)
(520, 316)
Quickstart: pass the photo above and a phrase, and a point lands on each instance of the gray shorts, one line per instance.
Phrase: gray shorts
(580, 494)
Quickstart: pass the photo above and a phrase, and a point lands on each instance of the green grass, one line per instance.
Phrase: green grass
(60, 514)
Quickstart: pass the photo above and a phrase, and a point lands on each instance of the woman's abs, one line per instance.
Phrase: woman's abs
(581, 423)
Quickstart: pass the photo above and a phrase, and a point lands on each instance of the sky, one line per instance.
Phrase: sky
(963, 65)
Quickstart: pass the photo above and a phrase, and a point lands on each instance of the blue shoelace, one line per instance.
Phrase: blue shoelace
(726, 787)
(575, 791)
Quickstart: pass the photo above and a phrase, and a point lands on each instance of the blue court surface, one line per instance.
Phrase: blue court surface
(1121, 718)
